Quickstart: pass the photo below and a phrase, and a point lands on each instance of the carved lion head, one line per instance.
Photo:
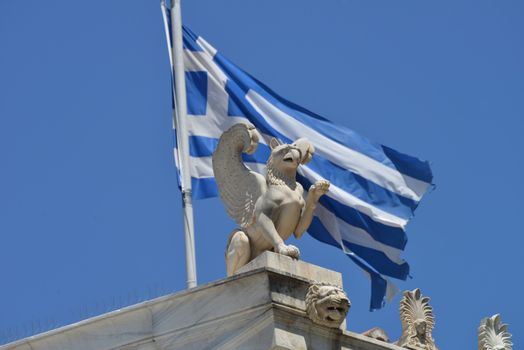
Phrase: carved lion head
(327, 304)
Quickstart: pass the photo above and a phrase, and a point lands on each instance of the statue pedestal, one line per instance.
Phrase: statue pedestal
(260, 307)
(298, 269)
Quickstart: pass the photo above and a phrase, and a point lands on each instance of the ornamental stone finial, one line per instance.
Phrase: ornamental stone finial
(494, 335)
(417, 322)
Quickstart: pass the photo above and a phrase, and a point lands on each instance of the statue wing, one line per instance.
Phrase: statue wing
(238, 186)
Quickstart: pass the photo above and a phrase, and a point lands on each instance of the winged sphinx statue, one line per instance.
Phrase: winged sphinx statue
(417, 320)
(494, 335)
(268, 209)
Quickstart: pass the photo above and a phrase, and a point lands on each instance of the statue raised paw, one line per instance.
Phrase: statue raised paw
(267, 209)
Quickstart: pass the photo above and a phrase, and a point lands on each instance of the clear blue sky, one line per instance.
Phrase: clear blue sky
(90, 214)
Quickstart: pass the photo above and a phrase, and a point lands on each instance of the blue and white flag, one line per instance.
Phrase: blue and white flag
(374, 189)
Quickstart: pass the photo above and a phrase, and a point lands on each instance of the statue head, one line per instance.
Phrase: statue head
(285, 159)
(420, 327)
(286, 156)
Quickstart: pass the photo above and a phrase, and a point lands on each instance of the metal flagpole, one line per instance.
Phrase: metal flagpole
(183, 144)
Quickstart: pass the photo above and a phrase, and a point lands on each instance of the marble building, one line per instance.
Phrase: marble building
(263, 306)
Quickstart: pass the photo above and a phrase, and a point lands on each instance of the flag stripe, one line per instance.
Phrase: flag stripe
(337, 133)
(387, 235)
(357, 162)
(379, 284)
(392, 236)
(378, 260)
(355, 235)
(377, 196)
(202, 167)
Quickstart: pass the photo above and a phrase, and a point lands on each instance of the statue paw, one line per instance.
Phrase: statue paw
(289, 250)
(320, 188)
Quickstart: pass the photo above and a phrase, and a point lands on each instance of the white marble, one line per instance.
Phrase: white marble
(493, 334)
(327, 304)
(294, 268)
(262, 308)
(417, 320)
(267, 209)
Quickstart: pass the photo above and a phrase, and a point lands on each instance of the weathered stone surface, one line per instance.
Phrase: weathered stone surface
(268, 210)
(327, 304)
(417, 322)
(378, 334)
(262, 308)
(493, 334)
(293, 268)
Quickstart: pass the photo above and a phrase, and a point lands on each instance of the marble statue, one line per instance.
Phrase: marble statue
(417, 322)
(378, 334)
(267, 209)
(327, 304)
(494, 335)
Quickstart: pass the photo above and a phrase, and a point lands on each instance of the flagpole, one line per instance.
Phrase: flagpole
(180, 116)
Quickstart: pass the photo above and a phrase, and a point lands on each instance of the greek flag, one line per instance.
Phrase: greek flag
(374, 189)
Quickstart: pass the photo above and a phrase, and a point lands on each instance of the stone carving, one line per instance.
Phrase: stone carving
(378, 334)
(268, 210)
(417, 322)
(494, 335)
(327, 304)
